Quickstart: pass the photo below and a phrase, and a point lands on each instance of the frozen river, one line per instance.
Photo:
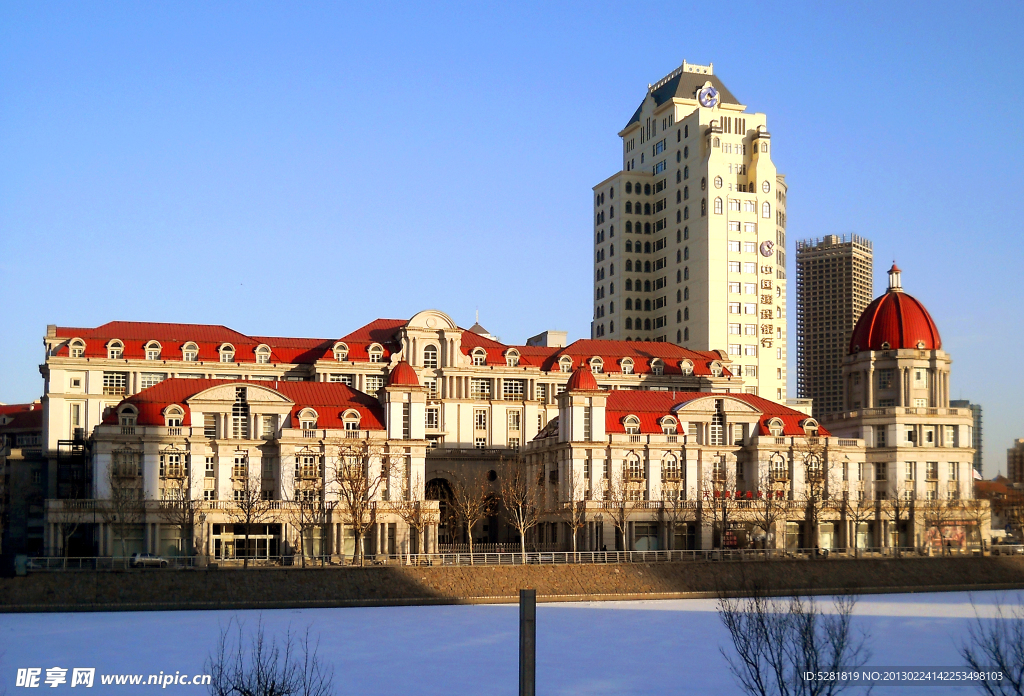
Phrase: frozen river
(619, 648)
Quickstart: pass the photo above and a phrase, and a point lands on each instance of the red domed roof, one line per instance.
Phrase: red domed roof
(582, 379)
(897, 320)
(403, 376)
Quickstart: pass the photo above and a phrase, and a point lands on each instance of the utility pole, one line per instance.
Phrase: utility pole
(527, 642)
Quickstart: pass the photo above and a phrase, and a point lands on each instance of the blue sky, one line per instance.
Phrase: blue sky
(300, 170)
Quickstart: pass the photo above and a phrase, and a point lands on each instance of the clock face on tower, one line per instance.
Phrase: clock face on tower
(767, 247)
(708, 96)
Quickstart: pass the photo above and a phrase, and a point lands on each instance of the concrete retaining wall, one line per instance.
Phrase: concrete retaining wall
(134, 590)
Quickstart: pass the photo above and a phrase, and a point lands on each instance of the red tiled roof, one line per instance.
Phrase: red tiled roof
(329, 399)
(651, 406)
(898, 319)
(22, 416)
(380, 331)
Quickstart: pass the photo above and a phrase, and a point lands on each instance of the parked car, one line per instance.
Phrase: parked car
(1007, 549)
(147, 560)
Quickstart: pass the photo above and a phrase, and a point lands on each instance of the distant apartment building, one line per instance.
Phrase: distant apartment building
(976, 412)
(833, 287)
(1015, 462)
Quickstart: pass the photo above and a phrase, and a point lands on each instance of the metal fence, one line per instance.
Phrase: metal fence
(491, 558)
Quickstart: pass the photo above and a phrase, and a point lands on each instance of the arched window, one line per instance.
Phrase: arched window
(686, 293)
(596, 365)
(647, 305)
(686, 334)
(430, 356)
(627, 366)
(647, 266)
(629, 324)
(115, 350)
(611, 212)
(127, 416)
(686, 253)
(668, 425)
(764, 147)
(718, 206)
(633, 471)
(307, 419)
(173, 416)
(679, 176)
(679, 295)
(512, 358)
(810, 427)
(686, 233)
(686, 273)
(775, 426)
(686, 314)
(376, 353)
(703, 207)
(629, 228)
(629, 265)
(647, 208)
(647, 324)
(611, 324)
(351, 419)
(716, 369)
(686, 192)
(479, 357)
(190, 352)
(679, 255)
(679, 276)
(717, 142)
(647, 228)
(340, 351)
(629, 187)
(657, 367)
(766, 210)
(629, 303)
(703, 183)
(686, 213)
(686, 172)
(679, 196)
(263, 354)
(565, 363)
(153, 350)
(679, 317)
(76, 349)
(686, 367)
(632, 425)
(227, 353)
(629, 284)
(679, 156)
(629, 207)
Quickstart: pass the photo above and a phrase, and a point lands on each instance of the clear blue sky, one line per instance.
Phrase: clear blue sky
(300, 169)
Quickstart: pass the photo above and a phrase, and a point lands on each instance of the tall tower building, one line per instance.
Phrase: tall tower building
(975, 410)
(833, 286)
(689, 237)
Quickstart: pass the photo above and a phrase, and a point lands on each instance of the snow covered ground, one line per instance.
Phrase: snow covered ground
(646, 647)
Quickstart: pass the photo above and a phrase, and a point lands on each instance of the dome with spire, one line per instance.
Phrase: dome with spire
(895, 321)
(582, 379)
(403, 376)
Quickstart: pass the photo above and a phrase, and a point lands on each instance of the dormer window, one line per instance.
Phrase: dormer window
(340, 351)
(632, 425)
(565, 364)
(152, 351)
(657, 367)
(263, 355)
(716, 369)
(885, 345)
(173, 417)
(668, 425)
(810, 427)
(127, 417)
(307, 419)
(77, 348)
(376, 353)
(115, 350)
(351, 420)
(227, 353)
(479, 357)
(627, 366)
(686, 367)
(430, 357)
(596, 365)
(512, 358)
(775, 427)
(190, 352)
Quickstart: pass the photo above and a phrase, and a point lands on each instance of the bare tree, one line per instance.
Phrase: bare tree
(978, 512)
(419, 514)
(625, 494)
(818, 486)
(253, 664)
(250, 506)
(471, 502)
(996, 644)
(359, 475)
(770, 503)
(573, 510)
(776, 640)
(857, 511)
(898, 508)
(519, 497)
(124, 508)
(307, 509)
(718, 489)
(181, 509)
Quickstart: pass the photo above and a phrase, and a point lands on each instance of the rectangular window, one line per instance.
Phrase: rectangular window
(433, 418)
(209, 494)
(515, 419)
(749, 207)
(373, 383)
(734, 266)
(151, 379)
(954, 471)
(931, 471)
(734, 246)
(115, 383)
(885, 379)
(750, 288)
(735, 349)
(480, 389)
(513, 443)
(734, 288)
(734, 225)
(750, 267)
(749, 247)
(480, 419)
(659, 167)
(210, 425)
(659, 147)
(734, 308)
(406, 425)
(910, 469)
(920, 403)
(431, 384)
(542, 393)
(513, 389)
(881, 471)
(750, 329)
(480, 443)
(210, 467)
(750, 309)
(750, 227)
(734, 205)
(734, 329)
(750, 351)
(348, 380)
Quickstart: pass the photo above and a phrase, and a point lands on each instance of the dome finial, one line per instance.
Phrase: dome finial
(895, 284)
